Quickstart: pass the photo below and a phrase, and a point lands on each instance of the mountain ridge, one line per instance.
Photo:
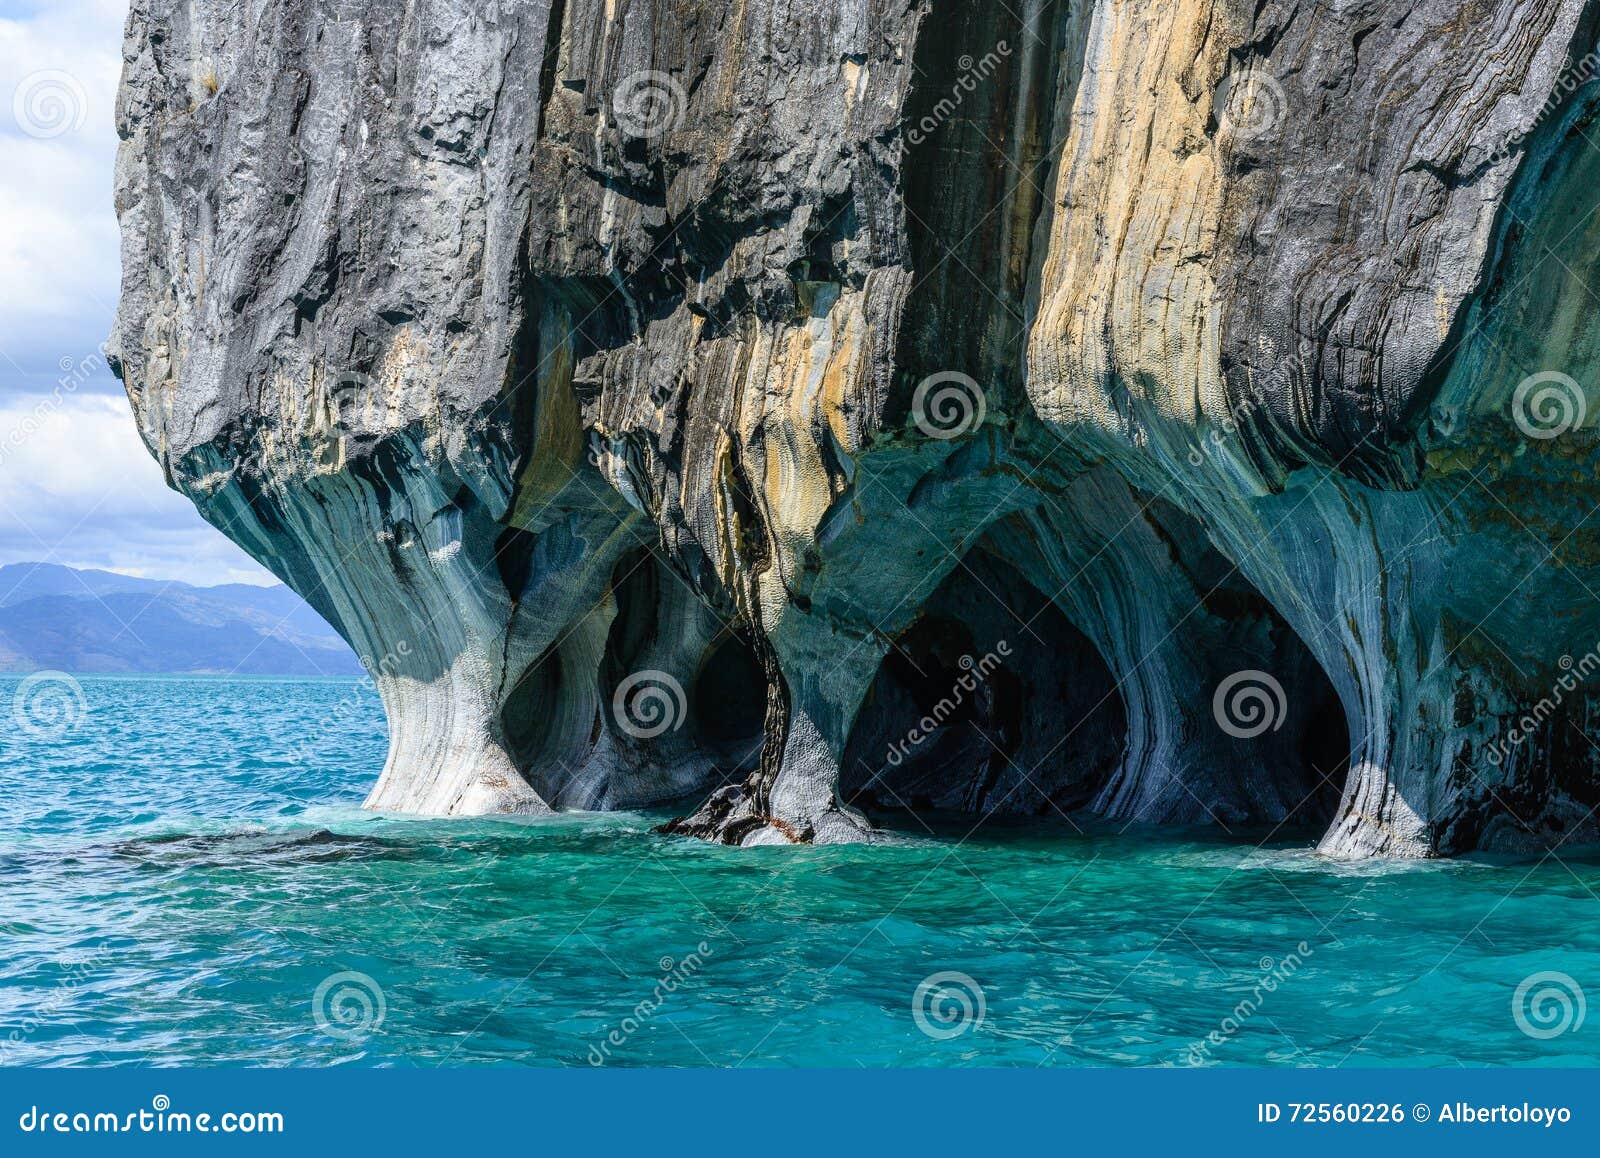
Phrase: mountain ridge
(54, 617)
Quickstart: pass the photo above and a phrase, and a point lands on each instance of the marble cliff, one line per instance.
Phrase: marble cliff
(1181, 410)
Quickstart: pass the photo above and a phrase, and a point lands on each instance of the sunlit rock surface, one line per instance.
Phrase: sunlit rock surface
(815, 412)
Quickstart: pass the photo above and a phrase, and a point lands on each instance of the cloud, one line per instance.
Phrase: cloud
(78, 487)
(76, 483)
(59, 67)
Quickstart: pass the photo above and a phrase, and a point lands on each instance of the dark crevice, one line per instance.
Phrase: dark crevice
(551, 62)
(976, 128)
(728, 699)
(991, 702)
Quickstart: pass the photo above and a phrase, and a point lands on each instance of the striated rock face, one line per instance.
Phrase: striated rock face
(815, 410)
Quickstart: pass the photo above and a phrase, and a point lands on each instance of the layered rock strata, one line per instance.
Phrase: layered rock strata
(817, 411)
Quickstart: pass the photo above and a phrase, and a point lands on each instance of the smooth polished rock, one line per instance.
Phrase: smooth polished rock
(679, 401)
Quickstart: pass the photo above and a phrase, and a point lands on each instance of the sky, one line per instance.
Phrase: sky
(76, 483)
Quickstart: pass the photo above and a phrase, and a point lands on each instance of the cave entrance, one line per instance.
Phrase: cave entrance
(669, 645)
(644, 699)
(1288, 776)
(1324, 750)
(994, 702)
(991, 702)
(728, 703)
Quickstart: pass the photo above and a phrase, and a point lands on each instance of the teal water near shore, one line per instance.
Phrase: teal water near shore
(186, 877)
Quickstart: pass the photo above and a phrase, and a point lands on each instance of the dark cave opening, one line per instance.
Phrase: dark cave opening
(653, 702)
(528, 719)
(662, 627)
(1292, 774)
(554, 715)
(1324, 752)
(991, 702)
(728, 701)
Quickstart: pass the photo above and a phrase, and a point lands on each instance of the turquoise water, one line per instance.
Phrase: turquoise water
(178, 881)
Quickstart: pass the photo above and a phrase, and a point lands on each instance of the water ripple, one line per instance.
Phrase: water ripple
(183, 875)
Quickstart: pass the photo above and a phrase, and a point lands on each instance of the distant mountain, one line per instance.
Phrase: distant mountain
(64, 619)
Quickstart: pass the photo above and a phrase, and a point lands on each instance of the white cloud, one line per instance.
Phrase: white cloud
(78, 487)
(76, 484)
(58, 242)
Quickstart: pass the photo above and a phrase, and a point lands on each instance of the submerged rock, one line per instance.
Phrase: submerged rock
(1176, 410)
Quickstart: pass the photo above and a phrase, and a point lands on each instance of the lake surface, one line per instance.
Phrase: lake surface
(186, 877)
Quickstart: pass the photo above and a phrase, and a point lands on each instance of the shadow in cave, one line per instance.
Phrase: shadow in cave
(657, 701)
(994, 703)
(728, 705)
(1289, 776)
(990, 702)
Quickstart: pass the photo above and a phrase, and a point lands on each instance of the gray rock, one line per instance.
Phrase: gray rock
(687, 400)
